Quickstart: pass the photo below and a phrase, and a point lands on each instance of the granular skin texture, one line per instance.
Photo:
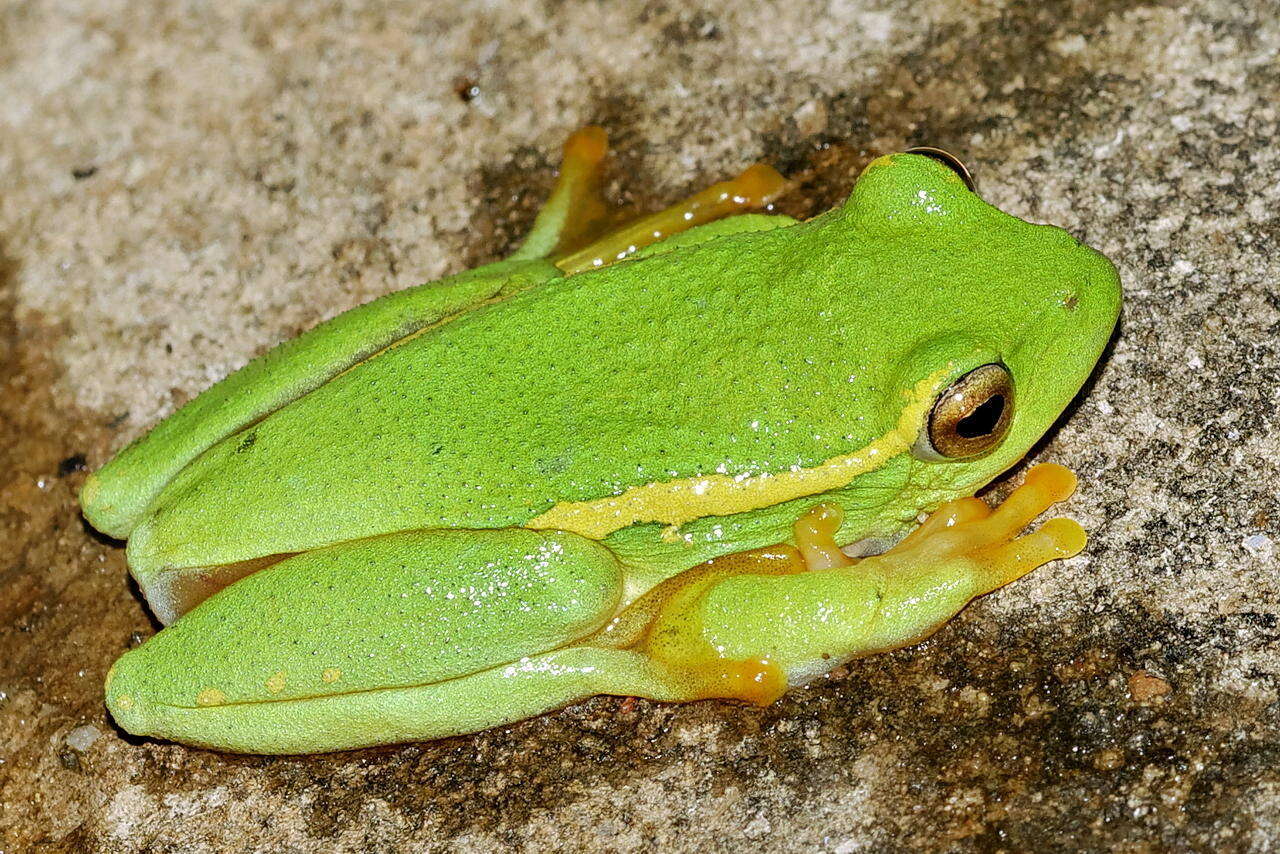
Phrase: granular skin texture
(187, 184)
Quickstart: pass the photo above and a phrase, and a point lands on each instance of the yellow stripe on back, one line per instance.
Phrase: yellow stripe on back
(675, 502)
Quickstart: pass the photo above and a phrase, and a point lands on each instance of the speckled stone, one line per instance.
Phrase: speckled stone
(186, 183)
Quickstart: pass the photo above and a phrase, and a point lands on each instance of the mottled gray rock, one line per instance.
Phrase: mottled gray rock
(185, 184)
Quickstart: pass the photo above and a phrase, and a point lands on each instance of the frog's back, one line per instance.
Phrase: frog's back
(572, 391)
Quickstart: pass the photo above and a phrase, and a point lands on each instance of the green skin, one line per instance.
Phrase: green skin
(417, 606)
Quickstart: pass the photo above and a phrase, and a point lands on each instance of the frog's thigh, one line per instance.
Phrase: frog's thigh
(304, 650)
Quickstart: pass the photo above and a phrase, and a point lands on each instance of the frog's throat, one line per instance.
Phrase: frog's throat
(675, 502)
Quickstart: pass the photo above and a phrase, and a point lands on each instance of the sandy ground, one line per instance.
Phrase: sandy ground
(185, 183)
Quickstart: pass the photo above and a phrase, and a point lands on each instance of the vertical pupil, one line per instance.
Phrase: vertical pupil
(983, 420)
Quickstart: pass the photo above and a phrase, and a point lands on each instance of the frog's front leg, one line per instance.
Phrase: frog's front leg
(578, 230)
(752, 624)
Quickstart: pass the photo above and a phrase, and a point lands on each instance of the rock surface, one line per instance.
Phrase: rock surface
(185, 184)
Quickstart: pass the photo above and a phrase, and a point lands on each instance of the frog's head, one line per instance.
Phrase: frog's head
(991, 324)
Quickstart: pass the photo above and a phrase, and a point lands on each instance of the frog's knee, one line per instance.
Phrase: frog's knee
(89, 492)
(99, 511)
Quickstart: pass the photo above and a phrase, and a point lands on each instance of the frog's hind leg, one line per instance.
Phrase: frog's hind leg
(345, 720)
(752, 189)
(578, 230)
(368, 641)
(401, 637)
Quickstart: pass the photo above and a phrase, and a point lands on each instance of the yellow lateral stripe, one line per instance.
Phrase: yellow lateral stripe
(676, 502)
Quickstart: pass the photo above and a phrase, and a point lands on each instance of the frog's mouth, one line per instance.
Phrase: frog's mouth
(175, 591)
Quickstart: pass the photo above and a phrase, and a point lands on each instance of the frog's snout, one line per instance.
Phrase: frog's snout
(1093, 302)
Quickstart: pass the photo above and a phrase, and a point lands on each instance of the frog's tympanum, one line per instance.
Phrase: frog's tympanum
(631, 459)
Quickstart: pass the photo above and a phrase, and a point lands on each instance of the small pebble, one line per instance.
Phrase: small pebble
(82, 737)
(1144, 686)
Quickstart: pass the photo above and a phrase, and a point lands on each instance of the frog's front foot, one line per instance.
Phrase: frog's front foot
(965, 549)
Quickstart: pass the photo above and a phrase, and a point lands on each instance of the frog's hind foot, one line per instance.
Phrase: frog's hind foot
(576, 211)
(579, 230)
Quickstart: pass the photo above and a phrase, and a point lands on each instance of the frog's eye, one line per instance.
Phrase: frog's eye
(971, 416)
(949, 160)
